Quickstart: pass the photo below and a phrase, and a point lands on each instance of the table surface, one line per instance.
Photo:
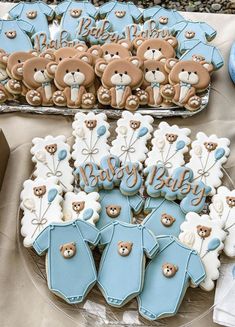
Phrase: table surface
(20, 303)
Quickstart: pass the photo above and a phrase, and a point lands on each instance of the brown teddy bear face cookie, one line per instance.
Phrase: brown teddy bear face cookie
(91, 123)
(78, 206)
(204, 231)
(124, 248)
(230, 201)
(210, 146)
(167, 220)
(39, 190)
(113, 211)
(68, 250)
(51, 148)
(169, 270)
(156, 49)
(171, 138)
(15, 63)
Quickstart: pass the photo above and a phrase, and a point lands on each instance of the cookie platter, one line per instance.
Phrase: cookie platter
(163, 188)
(159, 64)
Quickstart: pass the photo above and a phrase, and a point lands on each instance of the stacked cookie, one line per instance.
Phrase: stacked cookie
(114, 183)
(105, 57)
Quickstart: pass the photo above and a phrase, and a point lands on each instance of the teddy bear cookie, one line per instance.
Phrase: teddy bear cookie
(206, 236)
(91, 133)
(73, 77)
(125, 248)
(40, 202)
(169, 272)
(133, 132)
(187, 79)
(81, 206)
(120, 78)
(67, 248)
(51, 156)
(223, 208)
(208, 154)
(169, 145)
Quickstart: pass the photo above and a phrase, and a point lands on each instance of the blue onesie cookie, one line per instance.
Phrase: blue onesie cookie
(167, 278)
(13, 35)
(120, 14)
(116, 206)
(71, 271)
(36, 13)
(121, 271)
(164, 18)
(195, 47)
(71, 12)
(188, 30)
(164, 218)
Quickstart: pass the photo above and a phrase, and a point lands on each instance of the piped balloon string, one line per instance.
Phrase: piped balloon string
(212, 245)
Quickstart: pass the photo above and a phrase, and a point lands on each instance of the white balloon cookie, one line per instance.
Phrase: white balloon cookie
(169, 145)
(52, 156)
(208, 154)
(40, 202)
(223, 208)
(133, 132)
(206, 237)
(82, 206)
(91, 132)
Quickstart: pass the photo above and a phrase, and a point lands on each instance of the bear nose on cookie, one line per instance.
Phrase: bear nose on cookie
(121, 75)
(189, 73)
(72, 73)
(153, 71)
(42, 71)
(153, 51)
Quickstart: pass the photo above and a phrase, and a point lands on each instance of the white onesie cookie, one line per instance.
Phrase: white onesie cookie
(82, 206)
(223, 208)
(133, 132)
(206, 236)
(169, 145)
(40, 202)
(52, 156)
(208, 154)
(91, 132)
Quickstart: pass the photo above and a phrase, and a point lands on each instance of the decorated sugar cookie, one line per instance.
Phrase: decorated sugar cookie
(4, 78)
(206, 236)
(91, 132)
(52, 156)
(40, 202)
(223, 208)
(164, 18)
(81, 206)
(133, 132)
(126, 246)
(164, 217)
(169, 145)
(167, 278)
(208, 155)
(71, 271)
(116, 206)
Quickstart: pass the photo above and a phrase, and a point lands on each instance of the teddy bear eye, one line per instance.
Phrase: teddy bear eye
(67, 71)
(160, 49)
(60, 59)
(148, 48)
(78, 70)
(66, 249)
(35, 69)
(195, 73)
(116, 72)
(183, 70)
(106, 52)
(146, 70)
(19, 61)
(125, 72)
(157, 69)
(117, 53)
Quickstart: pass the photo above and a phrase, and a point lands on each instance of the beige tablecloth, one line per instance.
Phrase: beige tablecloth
(20, 303)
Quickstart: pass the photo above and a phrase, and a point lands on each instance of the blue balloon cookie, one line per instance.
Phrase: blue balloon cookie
(116, 206)
(164, 216)
(164, 18)
(201, 52)
(14, 35)
(121, 271)
(36, 13)
(68, 254)
(167, 278)
(71, 12)
(120, 14)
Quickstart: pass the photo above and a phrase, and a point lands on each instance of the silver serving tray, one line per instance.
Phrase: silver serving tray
(174, 111)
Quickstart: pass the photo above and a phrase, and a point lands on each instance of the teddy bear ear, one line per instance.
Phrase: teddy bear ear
(61, 247)
(125, 43)
(4, 58)
(48, 54)
(170, 63)
(172, 41)
(82, 47)
(100, 66)
(119, 242)
(95, 51)
(176, 267)
(51, 68)
(87, 57)
(131, 243)
(198, 226)
(136, 61)
(137, 42)
(34, 52)
(209, 67)
(210, 229)
(74, 243)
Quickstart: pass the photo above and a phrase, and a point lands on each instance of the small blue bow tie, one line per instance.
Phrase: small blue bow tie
(46, 84)
(188, 85)
(75, 86)
(4, 82)
(155, 84)
(120, 87)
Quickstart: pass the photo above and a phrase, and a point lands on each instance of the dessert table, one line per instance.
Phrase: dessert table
(20, 302)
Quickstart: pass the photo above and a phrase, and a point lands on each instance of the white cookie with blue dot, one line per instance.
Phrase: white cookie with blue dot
(82, 206)
(91, 133)
(169, 145)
